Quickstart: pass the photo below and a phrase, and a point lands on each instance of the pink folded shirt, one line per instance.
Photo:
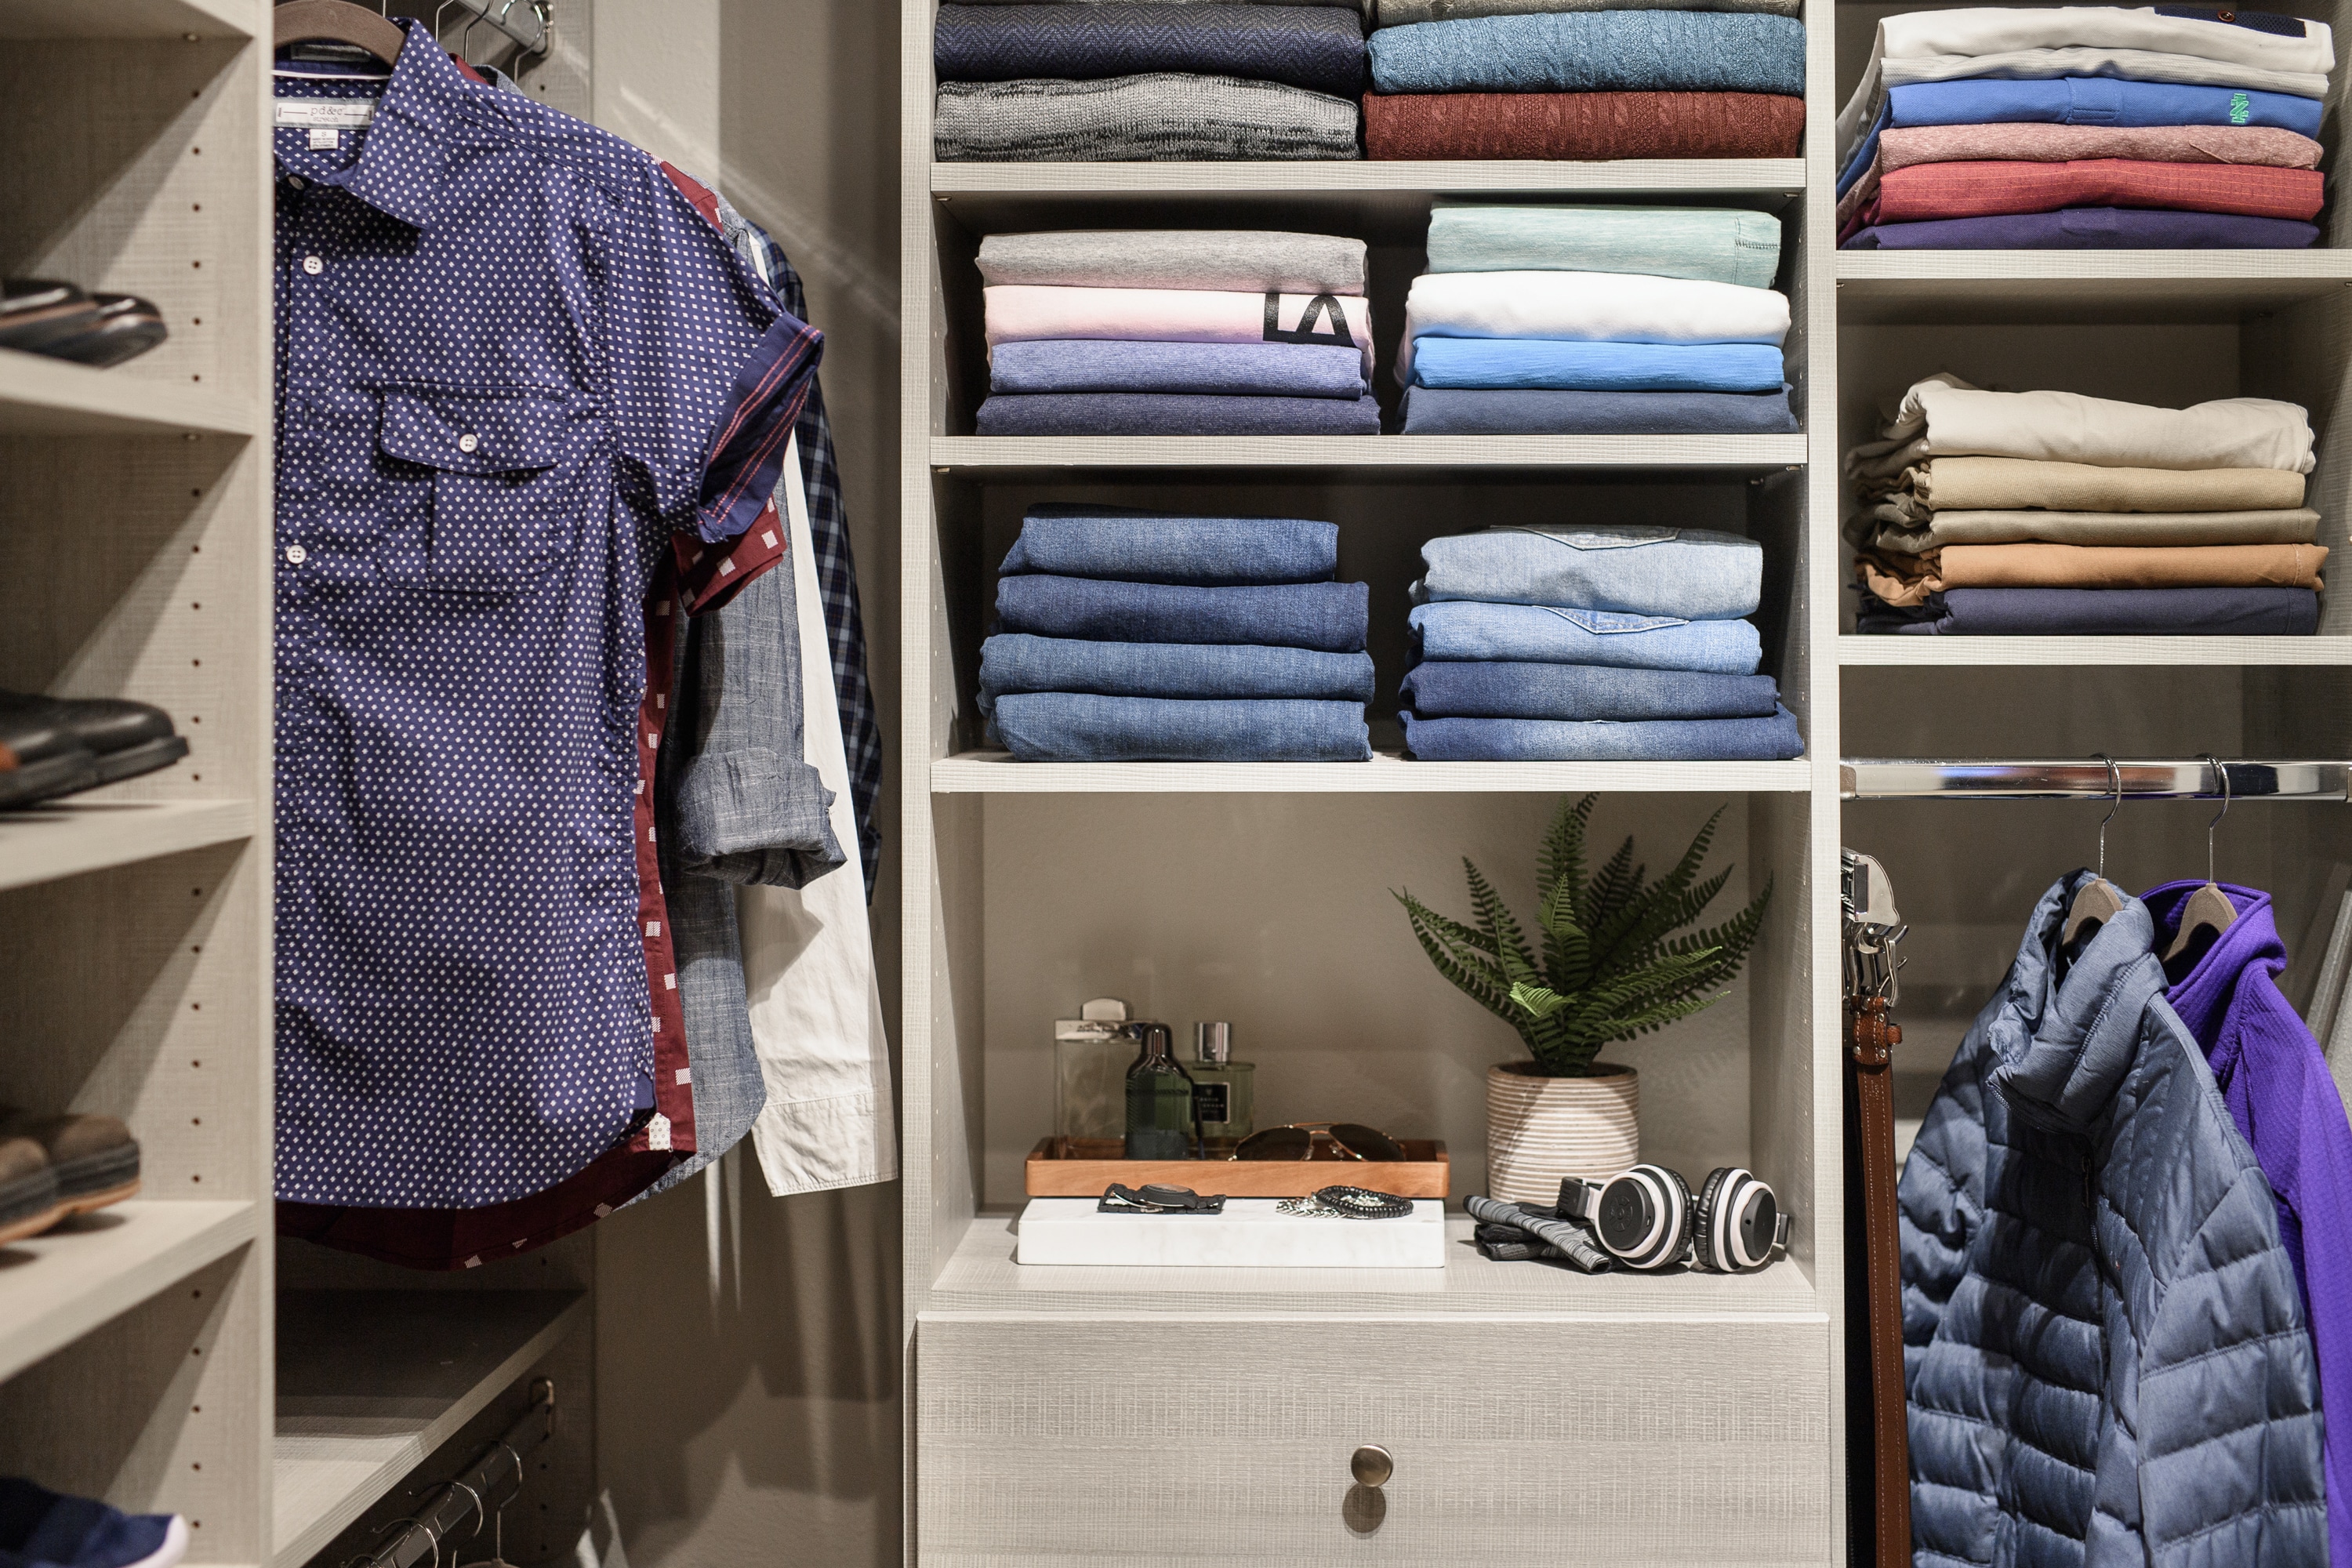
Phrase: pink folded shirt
(1021, 312)
(1990, 189)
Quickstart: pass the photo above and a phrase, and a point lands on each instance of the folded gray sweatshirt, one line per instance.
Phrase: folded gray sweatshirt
(1240, 260)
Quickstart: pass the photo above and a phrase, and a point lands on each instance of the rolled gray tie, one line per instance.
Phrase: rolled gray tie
(1565, 1240)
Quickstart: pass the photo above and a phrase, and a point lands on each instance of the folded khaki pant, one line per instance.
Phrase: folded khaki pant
(1990, 484)
(1909, 579)
(2294, 525)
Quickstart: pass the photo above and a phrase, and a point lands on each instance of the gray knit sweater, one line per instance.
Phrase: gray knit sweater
(1163, 117)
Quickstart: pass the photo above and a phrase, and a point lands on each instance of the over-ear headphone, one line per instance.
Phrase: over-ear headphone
(1646, 1217)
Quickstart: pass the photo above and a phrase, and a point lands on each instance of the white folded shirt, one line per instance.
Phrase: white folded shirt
(1589, 307)
(1944, 417)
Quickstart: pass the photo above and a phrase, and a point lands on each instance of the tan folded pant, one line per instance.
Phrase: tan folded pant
(1909, 579)
(1997, 484)
(2294, 525)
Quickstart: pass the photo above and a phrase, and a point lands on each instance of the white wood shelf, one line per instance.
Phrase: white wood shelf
(1343, 453)
(128, 19)
(1876, 287)
(1305, 180)
(981, 1279)
(43, 397)
(996, 772)
(55, 1289)
(370, 1382)
(70, 838)
(2065, 651)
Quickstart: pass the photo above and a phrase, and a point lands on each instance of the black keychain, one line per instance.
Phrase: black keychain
(1121, 1198)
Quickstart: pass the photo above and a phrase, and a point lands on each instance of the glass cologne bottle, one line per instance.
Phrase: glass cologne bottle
(1159, 1098)
(1225, 1091)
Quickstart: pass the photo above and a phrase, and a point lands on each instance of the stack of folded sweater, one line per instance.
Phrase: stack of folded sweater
(2052, 513)
(1611, 643)
(1063, 83)
(1127, 637)
(1586, 79)
(1596, 322)
(2085, 128)
(1177, 333)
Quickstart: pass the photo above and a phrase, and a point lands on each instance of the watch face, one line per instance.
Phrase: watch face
(1626, 1216)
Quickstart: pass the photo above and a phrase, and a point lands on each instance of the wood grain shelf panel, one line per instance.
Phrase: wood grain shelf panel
(1305, 181)
(370, 1382)
(2064, 651)
(70, 838)
(977, 772)
(1877, 287)
(41, 396)
(1339, 454)
(54, 1289)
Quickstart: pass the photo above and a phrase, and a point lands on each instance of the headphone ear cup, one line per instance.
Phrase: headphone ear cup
(1732, 1196)
(1679, 1207)
(1706, 1217)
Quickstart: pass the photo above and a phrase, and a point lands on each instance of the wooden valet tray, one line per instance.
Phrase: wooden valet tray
(1083, 1167)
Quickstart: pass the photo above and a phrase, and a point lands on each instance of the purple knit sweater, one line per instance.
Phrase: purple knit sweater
(2276, 1083)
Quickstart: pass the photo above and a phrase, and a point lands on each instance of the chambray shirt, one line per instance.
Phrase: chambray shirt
(520, 383)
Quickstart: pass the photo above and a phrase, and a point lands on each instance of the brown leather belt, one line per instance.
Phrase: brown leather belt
(1870, 1039)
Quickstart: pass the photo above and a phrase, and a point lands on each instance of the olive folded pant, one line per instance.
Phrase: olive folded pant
(1909, 579)
(1993, 484)
(2292, 525)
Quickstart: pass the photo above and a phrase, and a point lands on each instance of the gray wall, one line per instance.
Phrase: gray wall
(748, 1346)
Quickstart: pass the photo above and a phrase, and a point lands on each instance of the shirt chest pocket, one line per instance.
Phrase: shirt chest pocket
(494, 495)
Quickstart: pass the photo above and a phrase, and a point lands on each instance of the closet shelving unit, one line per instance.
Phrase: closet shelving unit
(1032, 1430)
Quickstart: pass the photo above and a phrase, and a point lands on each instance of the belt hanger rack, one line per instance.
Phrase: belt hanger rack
(497, 1468)
(2158, 778)
(528, 30)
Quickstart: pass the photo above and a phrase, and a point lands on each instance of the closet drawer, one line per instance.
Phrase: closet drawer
(1175, 1441)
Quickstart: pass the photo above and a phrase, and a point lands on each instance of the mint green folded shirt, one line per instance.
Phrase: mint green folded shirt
(1720, 245)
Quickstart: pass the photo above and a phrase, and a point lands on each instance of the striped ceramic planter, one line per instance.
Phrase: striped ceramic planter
(1542, 1129)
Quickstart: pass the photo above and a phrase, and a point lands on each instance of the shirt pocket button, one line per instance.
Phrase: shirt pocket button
(468, 442)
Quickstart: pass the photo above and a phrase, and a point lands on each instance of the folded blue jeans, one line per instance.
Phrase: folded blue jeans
(1130, 546)
(1517, 411)
(1721, 245)
(1560, 365)
(1240, 370)
(1549, 633)
(1595, 51)
(1331, 617)
(1640, 740)
(1173, 414)
(1078, 727)
(1015, 662)
(1448, 689)
(1691, 573)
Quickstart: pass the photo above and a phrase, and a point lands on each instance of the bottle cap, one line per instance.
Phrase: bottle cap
(1103, 1009)
(1212, 1042)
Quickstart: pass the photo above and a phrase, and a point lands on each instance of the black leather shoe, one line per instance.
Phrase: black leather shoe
(125, 739)
(41, 758)
(37, 312)
(124, 327)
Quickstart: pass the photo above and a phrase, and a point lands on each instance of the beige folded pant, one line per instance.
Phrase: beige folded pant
(2000, 484)
(1909, 579)
(2294, 525)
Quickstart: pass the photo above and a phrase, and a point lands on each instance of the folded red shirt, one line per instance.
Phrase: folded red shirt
(1995, 189)
(1581, 126)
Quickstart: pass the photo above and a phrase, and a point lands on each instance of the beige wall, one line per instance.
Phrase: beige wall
(748, 1346)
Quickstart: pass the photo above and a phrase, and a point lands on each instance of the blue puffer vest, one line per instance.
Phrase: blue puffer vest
(2105, 1349)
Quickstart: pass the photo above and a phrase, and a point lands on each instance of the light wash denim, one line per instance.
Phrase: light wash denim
(1130, 546)
(1536, 411)
(1075, 727)
(1640, 740)
(1448, 689)
(1020, 663)
(1722, 245)
(1595, 51)
(1331, 617)
(1239, 370)
(1691, 573)
(1547, 634)
(1557, 364)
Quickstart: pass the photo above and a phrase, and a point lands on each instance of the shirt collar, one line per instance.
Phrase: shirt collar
(405, 158)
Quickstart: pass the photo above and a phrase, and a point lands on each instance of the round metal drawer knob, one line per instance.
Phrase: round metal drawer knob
(1371, 1466)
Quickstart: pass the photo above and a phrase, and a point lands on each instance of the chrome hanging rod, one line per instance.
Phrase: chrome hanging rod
(2088, 778)
(524, 21)
(472, 1497)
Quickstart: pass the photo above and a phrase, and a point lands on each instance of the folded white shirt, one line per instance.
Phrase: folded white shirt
(1589, 307)
(1944, 417)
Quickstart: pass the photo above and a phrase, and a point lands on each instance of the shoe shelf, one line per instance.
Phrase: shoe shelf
(1957, 651)
(41, 396)
(1305, 181)
(161, 19)
(1340, 453)
(995, 772)
(370, 1382)
(56, 1287)
(70, 838)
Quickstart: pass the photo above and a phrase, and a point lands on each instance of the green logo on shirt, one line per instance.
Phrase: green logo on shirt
(2241, 109)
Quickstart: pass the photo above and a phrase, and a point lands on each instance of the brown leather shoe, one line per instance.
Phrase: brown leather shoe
(28, 1190)
(93, 1159)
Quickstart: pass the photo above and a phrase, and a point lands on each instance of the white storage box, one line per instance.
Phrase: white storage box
(1247, 1235)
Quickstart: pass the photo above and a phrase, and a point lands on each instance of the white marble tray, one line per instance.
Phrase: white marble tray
(1247, 1235)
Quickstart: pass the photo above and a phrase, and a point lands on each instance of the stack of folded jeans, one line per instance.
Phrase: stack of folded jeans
(2052, 513)
(1128, 636)
(2085, 128)
(1586, 79)
(1613, 643)
(1597, 321)
(1062, 83)
(1177, 333)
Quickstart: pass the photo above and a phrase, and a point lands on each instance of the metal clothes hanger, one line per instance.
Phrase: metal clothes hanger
(337, 22)
(2098, 900)
(2208, 906)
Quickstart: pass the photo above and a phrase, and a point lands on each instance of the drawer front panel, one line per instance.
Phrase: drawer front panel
(1158, 1442)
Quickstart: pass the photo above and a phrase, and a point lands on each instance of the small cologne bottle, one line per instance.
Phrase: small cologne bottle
(1225, 1091)
(1159, 1098)
(1091, 1052)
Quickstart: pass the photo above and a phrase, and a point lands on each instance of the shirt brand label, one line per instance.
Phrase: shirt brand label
(343, 112)
(325, 138)
(658, 1131)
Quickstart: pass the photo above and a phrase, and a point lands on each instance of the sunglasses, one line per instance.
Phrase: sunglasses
(1306, 1140)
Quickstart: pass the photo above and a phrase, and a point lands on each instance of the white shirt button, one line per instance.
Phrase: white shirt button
(313, 266)
(467, 442)
(296, 556)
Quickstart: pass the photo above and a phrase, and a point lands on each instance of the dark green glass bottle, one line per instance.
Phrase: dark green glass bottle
(1158, 1097)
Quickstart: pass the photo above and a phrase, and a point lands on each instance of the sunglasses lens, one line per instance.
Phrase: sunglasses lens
(1276, 1143)
(1367, 1143)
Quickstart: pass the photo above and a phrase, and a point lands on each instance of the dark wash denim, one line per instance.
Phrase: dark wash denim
(1550, 634)
(1127, 546)
(1075, 727)
(1577, 691)
(1329, 616)
(2101, 612)
(1016, 662)
(1649, 740)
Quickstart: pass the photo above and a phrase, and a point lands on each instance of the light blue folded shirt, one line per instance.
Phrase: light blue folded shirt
(1595, 51)
(1692, 573)
(1559, 365)
(1719, 245)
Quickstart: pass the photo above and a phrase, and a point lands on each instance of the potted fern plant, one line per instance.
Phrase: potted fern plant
(1609, 967)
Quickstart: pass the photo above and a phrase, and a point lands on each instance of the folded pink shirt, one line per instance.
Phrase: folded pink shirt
(1018, 312)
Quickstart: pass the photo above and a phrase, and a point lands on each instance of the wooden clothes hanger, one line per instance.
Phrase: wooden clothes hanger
(337, 22)
(2208, 906)
(2098, 900)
